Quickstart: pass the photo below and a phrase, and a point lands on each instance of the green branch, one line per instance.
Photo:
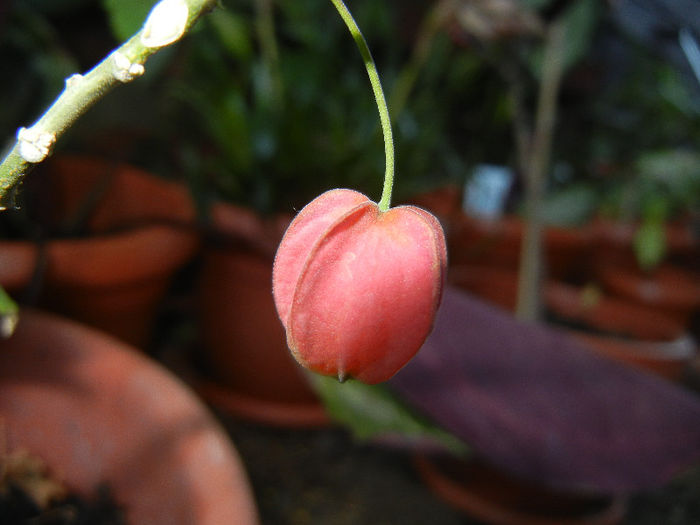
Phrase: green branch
(167, 22)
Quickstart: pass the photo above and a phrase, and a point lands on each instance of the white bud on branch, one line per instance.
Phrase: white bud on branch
(165, 24)
(73, 80)
(34, 144)
(123, 69)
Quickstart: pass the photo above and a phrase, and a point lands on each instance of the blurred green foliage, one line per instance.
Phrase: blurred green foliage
(658, 187)
(267, 102)
(278, 107)
(127, 16)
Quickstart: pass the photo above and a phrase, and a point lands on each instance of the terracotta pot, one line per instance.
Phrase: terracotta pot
(669, 289)
(620, 329)
(17, 264)
(497, 243)
(496, 498)
(613, 242)
(669, 359)
(140, 234)
(623, 330)
(442, 202)
(97, 411)
(498, 286)
(253, 373)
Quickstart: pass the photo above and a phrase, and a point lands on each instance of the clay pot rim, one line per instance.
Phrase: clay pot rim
(513, 225)
(680, 287)
(620, 231)
(174, 247)
(490, 510)
(17, 260)
(267, 412)
(210, 464)
(680, 349)
(127, 170)
(234, 225)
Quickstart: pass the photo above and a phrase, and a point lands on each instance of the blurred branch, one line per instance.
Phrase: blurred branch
(431, 25)
(265, 29)
(538, 158)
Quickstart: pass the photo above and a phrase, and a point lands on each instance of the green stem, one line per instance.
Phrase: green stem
(385, 200)
(82, 92)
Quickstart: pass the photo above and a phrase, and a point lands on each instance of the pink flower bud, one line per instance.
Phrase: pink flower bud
(357, 288)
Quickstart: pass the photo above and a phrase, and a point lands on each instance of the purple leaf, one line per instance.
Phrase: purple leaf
(537, 403)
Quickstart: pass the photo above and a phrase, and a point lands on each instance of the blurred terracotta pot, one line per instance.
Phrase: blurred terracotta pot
(667, 288)
(253, 374)
(498, 286)
(97, 411)
(497, 498)
(443, 202)
(138, 234)
(497, 243)
(623, 330)
(614, 242)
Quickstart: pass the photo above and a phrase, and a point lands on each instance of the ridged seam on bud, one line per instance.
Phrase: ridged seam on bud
(165, 24)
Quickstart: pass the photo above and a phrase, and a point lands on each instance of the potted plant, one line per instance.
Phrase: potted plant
(99, 241)
(623, 330)
(248, 370)
(497, 242)
(64, 247)
(646, 253)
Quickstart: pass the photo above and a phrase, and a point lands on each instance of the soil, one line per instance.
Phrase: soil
(304, 477)
(324, 476)
(29, 495)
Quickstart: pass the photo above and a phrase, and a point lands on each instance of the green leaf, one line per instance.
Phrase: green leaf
(580, 26)
(571, 206)
(126, 16)
(580, 23)
(372, 411)
(9, 314)
(650, 244)
(233, 33)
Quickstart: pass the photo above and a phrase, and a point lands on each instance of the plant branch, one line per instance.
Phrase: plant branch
(528, 305)
(166, 23)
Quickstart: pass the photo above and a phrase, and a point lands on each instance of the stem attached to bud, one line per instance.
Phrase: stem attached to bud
(371, 67)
